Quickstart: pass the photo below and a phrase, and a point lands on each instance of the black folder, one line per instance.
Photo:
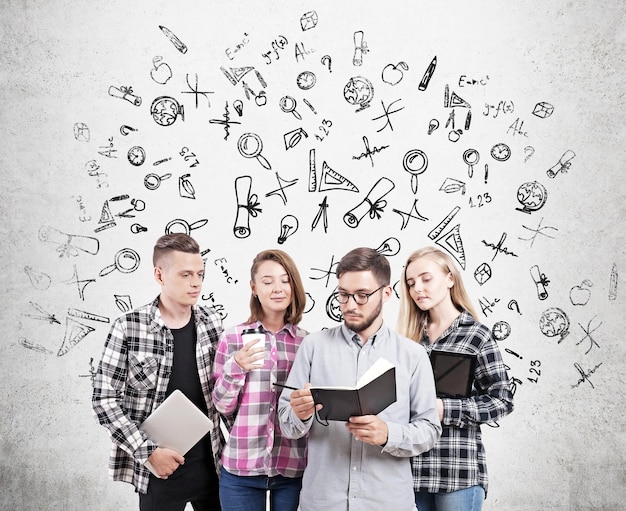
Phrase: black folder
(454, 373)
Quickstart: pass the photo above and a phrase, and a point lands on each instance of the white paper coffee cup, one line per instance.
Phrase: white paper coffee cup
(255, 340)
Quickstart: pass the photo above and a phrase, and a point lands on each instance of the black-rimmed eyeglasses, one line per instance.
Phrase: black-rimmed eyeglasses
(359, 298)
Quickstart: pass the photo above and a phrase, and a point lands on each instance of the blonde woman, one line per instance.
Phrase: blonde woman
(436, 312)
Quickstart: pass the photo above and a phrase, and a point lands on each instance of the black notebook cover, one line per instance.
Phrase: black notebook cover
(454, 373)
(339, 404)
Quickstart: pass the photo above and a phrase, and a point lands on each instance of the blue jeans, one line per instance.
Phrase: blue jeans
(469, 499)
(248, 493)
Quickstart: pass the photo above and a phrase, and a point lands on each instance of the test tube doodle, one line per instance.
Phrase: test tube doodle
(373, 204)
(247, 206)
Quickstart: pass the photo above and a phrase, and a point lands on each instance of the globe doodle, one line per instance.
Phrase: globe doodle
(554, 322)
(359, 91)
(532, 196)
(165, 110)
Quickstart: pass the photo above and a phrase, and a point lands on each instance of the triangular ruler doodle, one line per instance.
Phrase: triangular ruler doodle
(456, 100)
(332, 180)
(106, 216)
(452, 243)
(234, 74)
(74, 333)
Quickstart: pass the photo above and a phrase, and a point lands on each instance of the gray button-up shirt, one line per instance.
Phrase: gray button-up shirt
(343, 473)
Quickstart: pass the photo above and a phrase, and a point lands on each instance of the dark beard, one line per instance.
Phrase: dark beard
(365, 323)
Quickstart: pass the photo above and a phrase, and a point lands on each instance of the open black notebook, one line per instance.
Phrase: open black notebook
(454, 373)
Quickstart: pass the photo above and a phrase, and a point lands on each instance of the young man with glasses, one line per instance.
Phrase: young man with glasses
(363, 464)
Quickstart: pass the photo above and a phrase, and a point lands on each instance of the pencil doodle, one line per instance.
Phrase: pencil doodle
(180, 225)
(288, 227)
(386, 112)
(23, 341)
(588, 331)
(563, 165)
(554, 322)
(390, 247)
(359, 91)
(532, 196)
(428, 74)
(373, 204)
(197, 92)
(282, 184)
(543, 110)
(247, 206)
(394, 73)
(69, 245)
(39, 280)
(250, 145)
(369, 153)
(580, 294)
(161, 72)
(482, 273)
(126, 93)
(613, 280)
(413, 213)
(178, 44)
(307, 103)
(165, 110)
(360, 48)
(537, 231)
(499, 248)
(75, 331)
(541, 282)
(42, 315)
(81, 132)
(80, 284)
(126, 261)
(308, 20)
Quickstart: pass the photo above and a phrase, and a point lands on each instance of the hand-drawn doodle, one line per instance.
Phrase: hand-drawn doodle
(34, 346)
(288, 105)
(393, 73)
(92, 373)
(451, 241)
(500, 152)
(373, 204)
(221, 262)
(451, 119)
(312, 182)
(516, 127)
(306, 102)
(226, 122)
(326, 124)
(588, 332)
(539, 230)
(386, 113)
(306, 80)
(165, 110)
(126, 93)
(43, 314)
(333, 309)
(282, 184)
(499, 248)
(428, 74)
(562, 165)
(161, 72)
(482, 273)
(327, 61)
(81, 132)
(126, 261)
(513, 304)
(219, 308)
(360, 48)
(81, 314)
(486, 172)
(487, 305)
(38, 279)
(453, 100)
(613, 280)
(468, 120)
(471, 157)
(543, 110)
(69, 244)
(197, 92)
(584, 375)
(413, 213)
(432, 126)
(369, 153)
(506, 107)
(326, 273)
(308, 20)
(532, 196)
(137, 228)
(107, 220)
(390, 247)
(455, 135)
(75, 332)
(288, 227)
(247, 206)
(310, 303)
(231, 51)
(80, 284)
(300, 51)
(125, 129)
(137, 205)
(451, 185)
(250, 145)
(293, 138)
(178, 44)
(238, 106)
(123, 302)
(511, 352)
(108, 150)
(415, 169)
(235, 74)
(501, 330)
(580, 295)
(322, 214)
(279, 43)
(180, 225)
(531, 150)
(333, 180)
(359, 91)
(136, 155)
(553, 322)
(185, 187)
(153, 181)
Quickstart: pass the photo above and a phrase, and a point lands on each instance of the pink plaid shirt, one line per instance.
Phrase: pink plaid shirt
(256, 445)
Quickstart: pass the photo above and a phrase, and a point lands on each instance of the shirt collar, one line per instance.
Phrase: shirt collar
(289, 328)
(379, 337)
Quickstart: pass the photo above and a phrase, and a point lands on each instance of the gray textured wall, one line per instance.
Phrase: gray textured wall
(554, 266)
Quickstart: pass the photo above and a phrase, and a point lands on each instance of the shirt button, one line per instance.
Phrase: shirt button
(354, 469)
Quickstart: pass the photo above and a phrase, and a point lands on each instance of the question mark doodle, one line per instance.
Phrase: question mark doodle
(531, 150)
(326, 58)
(513, 304)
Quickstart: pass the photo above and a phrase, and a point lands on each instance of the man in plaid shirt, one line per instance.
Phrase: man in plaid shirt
(151, 351)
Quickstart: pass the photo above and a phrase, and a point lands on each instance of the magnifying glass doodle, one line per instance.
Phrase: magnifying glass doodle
(126, 261)
(153, 181)
(415, 162)
(250, 145)
(471, 157)
(173, 226)
(288, 105)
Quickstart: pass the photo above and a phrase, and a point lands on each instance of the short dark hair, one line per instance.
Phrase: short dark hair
(178, 241)
(366, 259)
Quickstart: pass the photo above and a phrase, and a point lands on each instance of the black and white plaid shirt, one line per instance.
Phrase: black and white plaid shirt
(457, 460)
(132, 380)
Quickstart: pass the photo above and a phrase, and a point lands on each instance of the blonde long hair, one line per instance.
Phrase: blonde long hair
(411, 319)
